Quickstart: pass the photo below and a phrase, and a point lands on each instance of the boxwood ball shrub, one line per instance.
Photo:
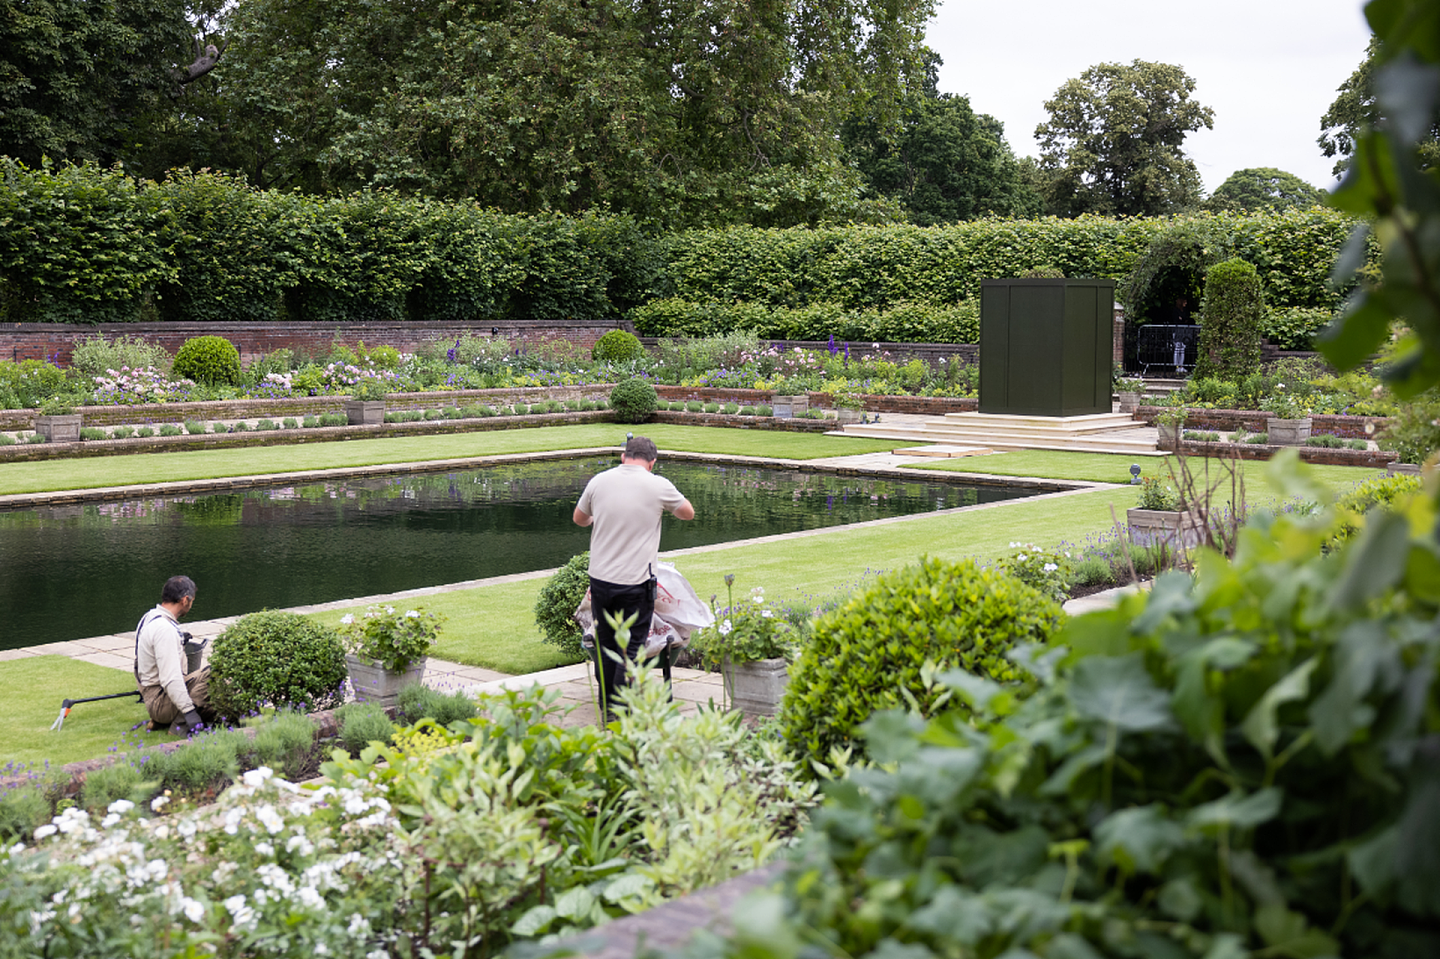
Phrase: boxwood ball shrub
(278, 659)
(617, 346)
(556, 602)
(208, 359)
(862, 655)
(634, 401)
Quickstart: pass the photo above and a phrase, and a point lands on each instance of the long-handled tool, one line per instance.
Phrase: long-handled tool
(59, 722)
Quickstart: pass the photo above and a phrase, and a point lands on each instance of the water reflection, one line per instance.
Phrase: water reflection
(85, 570)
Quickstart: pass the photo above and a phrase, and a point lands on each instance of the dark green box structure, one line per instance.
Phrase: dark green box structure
(1046, 346)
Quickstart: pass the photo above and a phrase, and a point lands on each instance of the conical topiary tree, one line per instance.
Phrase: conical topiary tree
(1231, 313)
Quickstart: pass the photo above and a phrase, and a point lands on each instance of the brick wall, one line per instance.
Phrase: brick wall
(930, 405)
(1309, 454)
(1220, 421)
(39, 341)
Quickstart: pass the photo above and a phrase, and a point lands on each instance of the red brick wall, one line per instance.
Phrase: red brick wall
(1353, 427)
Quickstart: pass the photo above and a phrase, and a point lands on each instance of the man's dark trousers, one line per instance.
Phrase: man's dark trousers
(637, 600)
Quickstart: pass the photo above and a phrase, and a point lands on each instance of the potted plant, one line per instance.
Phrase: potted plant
(1160, 518)
(58, 422)
(752, 645)
(1288, 422)
(848, 408)
(1169, 422)
(366, 405)
(1128, 392)
(386, 649)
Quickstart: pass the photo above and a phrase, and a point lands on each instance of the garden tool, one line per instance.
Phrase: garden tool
(65, 706)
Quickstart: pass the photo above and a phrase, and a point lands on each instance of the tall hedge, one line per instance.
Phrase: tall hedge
(1231, 317)
(90, 245)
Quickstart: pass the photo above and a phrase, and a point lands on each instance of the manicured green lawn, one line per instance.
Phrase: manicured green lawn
(209, 464)
(34, 688)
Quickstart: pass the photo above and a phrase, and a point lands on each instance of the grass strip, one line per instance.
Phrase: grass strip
(35, 686)
(137, 468)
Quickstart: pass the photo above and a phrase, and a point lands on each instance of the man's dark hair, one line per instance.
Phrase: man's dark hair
(642, 448)
(177, 588)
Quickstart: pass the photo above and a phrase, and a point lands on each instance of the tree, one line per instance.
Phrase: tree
(943, 162)
(1357, 109)
(679, 114)
(81, 80)
(1112, 144)
(1264, 188)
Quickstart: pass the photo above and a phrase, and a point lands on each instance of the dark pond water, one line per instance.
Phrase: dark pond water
(77, 571)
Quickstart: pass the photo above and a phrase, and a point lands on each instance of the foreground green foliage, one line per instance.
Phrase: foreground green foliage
(1239, 764)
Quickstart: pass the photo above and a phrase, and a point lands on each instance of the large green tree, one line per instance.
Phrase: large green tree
(85, 80)
(1356, 109)
(680, 113)
(1264, 188)
(1113, 142)
(943, 162)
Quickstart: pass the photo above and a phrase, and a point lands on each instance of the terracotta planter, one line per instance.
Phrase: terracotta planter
(1175, 529)
(755, 688)
(1287, 432)
(1129, 402)
(59, 429)
(373, 683)
(364, 412)
(788, 407)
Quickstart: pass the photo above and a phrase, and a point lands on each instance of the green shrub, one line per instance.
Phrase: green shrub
(417, 701)
(22, 808)
(310, 423)
(362, 724)
(1414, 431)
(208, 359)
(267, 425)
(634, 401)
(122, 432)
(194, 427)
(30, 382)
(694, 406)
(207, 762)
(144, 432)
(556, 603)
(290, 424)
(334, 419)
(1294, 327)
(1257, 439)
(383, 357)
(872, 653)
(240, 426)
(1382, 492)
(283, 742)
(170, 429)
(747, 411)
(96, 356)
(712, 407)
(617, 346)
(93, 433)
(120, 780)
(732, 408)
(1234, 304)
(276, 658)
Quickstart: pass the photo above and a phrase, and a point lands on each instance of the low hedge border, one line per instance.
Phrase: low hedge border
(874, 402)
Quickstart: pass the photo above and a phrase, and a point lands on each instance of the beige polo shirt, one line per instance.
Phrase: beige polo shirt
(626, 502)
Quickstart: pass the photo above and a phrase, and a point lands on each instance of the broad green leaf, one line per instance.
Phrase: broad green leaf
(1417, 857)
(1138, 839)
(1067, 945)
(1260, 726)
(1373, 862)
(1180, 899)
(1237, 810)
(1119, 692)
(1340, 710)
(1227, 945)
(1289, 934)
(954, 914)
(1105, 632)
(891, 949)
(535, 921)
(574, 903)
(977, 691)
(630, 884)
(1375, 563)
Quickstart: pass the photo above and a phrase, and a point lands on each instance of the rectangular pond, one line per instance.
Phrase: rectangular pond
(71, 572)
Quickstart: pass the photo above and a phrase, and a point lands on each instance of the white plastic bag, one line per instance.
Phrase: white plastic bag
(678, 613)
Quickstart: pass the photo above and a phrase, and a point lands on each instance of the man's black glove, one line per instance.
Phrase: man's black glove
(193, 721)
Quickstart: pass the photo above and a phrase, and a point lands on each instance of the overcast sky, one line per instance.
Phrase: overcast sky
(1268, 68)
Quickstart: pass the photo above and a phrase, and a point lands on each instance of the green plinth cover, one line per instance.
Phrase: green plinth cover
(1046, 346)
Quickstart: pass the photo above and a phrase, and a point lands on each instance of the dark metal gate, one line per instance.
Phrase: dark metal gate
(1167, 347)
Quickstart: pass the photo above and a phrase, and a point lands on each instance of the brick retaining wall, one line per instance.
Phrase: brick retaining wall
(930, 405)
(1318, 455)
(1352, 427)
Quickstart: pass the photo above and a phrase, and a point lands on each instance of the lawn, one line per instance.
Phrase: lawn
(34, 688)
(139, 468)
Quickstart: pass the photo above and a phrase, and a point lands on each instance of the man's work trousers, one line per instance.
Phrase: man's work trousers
(637, 600)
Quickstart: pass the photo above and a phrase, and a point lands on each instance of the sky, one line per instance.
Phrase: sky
(1268, 68)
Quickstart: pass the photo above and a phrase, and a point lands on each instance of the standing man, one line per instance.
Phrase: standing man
(623, 507)
(172, 692)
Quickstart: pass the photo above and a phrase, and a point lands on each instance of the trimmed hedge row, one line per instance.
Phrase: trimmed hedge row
(81, 244)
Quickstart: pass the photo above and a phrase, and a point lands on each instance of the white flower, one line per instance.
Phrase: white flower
(256, 777)
(120, 807)
(47, 830)
(1050, 567)
(158, 802)
(194, 910)
(348, 618)
(359, 926)
(265, 849)
(412, 614)
(270, 819)
(766, 614)
(724, 628)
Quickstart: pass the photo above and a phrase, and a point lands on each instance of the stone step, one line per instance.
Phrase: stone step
(1038, 425)
(1137, 442)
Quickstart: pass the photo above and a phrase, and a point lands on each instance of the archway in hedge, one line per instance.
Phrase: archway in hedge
(1168, 280)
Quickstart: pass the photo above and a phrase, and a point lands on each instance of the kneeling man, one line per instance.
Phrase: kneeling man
(173, 693)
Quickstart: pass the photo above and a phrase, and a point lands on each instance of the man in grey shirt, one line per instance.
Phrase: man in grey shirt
(622, 507)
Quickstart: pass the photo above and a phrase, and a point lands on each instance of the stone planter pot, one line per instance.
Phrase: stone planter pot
(364, 412)
(1406, 469)
(843, 416)
(1129, 402)
(1169, 435)
(1288, 432)
(59, 429)
(1175, 529)
(788, 407)
(373, 683)
(755, 688)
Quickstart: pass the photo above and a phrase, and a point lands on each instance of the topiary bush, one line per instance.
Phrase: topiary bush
(555, 605)
(1232, 312)
(278, 659)
(634, 401)
(617, 346)
(868, 654)
(208, 359)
